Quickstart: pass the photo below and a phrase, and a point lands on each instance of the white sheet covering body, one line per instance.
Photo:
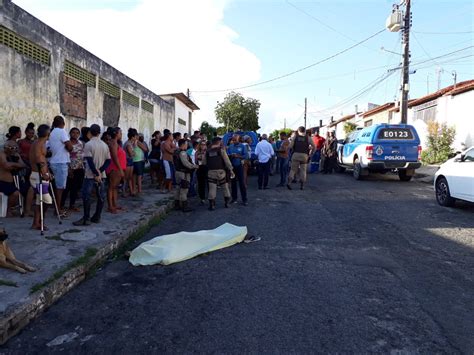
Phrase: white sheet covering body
(173, 248)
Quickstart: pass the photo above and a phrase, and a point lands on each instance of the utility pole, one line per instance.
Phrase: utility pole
(305, 109)
(406, 62)
(284, 124)
(455, 77)
(439, 71)
(188, 94)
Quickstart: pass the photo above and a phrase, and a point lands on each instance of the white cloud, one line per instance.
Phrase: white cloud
(167, 46)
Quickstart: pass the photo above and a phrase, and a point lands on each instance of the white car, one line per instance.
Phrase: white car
(455, 179)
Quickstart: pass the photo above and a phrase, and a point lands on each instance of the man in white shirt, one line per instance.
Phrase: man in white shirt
(59, 162)
(264, 152)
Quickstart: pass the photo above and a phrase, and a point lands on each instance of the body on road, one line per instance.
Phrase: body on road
(379, 267)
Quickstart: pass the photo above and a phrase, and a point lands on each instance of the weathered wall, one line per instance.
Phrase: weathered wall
(31, 91)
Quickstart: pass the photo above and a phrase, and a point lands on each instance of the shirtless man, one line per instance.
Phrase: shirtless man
(39, 166)
(10, 163)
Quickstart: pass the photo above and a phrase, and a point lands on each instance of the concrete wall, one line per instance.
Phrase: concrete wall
(181, 113)
(30, 91)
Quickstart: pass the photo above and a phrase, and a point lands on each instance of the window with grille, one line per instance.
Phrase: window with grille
(147, 106)
(130, 99)
(82, 75)
(109, 88)
(24, 46)
(426, 111)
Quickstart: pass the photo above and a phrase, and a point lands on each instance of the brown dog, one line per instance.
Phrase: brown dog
(7, 258)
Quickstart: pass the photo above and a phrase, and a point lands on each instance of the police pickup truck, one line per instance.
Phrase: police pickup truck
(381, 148)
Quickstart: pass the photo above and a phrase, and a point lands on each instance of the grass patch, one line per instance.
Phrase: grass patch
(137, 235)
(162, 202)
(72, 231)
(54, 237)
(91, 252)
(82, 260)
(8, 283)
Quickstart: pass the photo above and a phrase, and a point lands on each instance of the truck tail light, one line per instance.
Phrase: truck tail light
(419, 152)
(369, 152)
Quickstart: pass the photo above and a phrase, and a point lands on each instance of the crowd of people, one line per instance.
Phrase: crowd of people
(51, 166)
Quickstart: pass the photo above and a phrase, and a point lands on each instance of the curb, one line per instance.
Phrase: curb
(35, 304)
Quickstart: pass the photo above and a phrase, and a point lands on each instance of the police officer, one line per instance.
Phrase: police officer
(184, 166)
(218, 164)
(301, 144)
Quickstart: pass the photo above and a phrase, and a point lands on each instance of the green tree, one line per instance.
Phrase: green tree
(207, 129)
(238, 113)
(276, 133)
(349, 127)
(439, 146)
(221, 131)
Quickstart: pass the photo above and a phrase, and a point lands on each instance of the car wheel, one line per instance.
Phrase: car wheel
(402, 174)
(357, 172)
(443, 196)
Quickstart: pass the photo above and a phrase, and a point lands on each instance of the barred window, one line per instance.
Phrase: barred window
(24, 46)
(109, 88)
(130, 99)
(80, 74)
(147, 106)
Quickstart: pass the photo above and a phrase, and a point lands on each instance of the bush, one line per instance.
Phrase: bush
(439, 147)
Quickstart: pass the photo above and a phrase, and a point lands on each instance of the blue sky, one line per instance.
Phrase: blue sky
(220, 44)
(284, 38)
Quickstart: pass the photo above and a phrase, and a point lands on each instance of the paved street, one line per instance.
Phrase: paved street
(343, 267)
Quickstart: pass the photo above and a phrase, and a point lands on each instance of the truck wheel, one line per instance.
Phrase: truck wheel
(357, 172)
(443, 196)
(402, 174)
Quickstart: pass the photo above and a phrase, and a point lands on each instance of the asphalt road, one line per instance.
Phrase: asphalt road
(343, 267)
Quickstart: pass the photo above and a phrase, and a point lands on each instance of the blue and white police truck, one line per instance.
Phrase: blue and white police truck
(381, 148)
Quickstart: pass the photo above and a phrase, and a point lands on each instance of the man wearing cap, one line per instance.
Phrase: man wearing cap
(217, 162)
(302, 146)
(97, 156)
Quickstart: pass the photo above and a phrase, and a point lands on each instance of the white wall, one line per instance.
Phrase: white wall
(182, 112)
(456, 111)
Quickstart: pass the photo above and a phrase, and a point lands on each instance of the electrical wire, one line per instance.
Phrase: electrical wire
(298, 70)
(323, 23)
(443, 33)
(423, 49)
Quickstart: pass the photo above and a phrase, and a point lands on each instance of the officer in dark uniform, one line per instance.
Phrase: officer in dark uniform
(184, 166)
(301, 144)
(218, 164)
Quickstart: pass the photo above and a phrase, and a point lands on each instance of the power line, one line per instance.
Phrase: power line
(205, 93)
(445, 55)
(358, 94)
(298, 70)
(443, 33)
(323, 23)
(423, 48)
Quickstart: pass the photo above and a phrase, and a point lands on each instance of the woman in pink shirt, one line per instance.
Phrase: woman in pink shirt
(116, 170)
